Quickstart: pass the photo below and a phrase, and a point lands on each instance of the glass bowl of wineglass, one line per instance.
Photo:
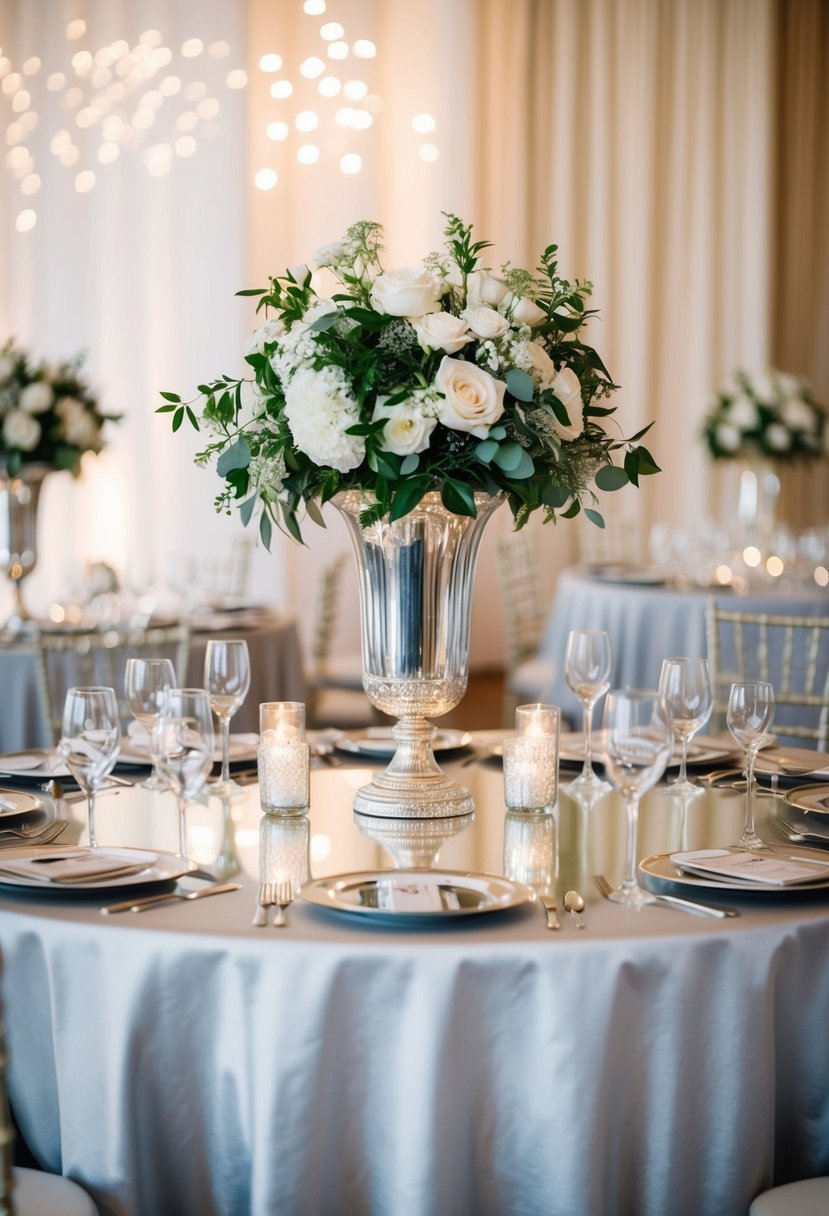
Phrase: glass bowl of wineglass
(146, 682)
(184, 748)
(749, 716)
(227, 680)
(587, 670)
(90, 741)
(685, 685)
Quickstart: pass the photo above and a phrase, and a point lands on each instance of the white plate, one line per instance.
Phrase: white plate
(660, 875)
(21, 804)
(571, 751)
(160, 867)
(810, 798)
(796, 761)
(475, 893)
(242, 750)
(379, 741)
(36, 764)
(633, 576)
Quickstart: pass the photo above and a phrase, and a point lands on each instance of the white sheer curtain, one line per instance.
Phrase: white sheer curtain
(638, 134)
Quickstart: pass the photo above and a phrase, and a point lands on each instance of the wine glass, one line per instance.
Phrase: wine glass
(90, 741)
(749, 718)
(636, 746)
(587, 669)
(184, 747)
(227, 679)
(685, 685)
(145, 683)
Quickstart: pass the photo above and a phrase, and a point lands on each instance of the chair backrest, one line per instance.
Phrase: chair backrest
(789, 652)
(525, 611)
(617, 543)
(328, 601)
(7, 1207)
(66, 660)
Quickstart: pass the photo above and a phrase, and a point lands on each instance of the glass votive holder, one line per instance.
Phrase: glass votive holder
(531, 850)
(537, 721)
(530, 773)
(283, 758)
(285, 850)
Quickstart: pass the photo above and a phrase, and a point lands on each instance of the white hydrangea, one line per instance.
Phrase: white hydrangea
(270, 331)
(267, 473)
(296, 348)
(319, 408)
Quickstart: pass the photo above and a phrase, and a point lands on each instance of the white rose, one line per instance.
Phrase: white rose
(319, 408)
(762, 385)
(328, 255)
(790, 386)
(79, 427)
(798, 415)
(320, 308)
(36, 397)
(250, 397)
(778, 438)
(21, 430)
(474, 400)
(406, 293)
(485, 322)
(484, 288)
(442, 331)
(271, 331)
(525, 311)
(727, 437)
(300, 271)
(542, 369)
(742, 413)
(408, 429)
(6, 367)
(567, 388)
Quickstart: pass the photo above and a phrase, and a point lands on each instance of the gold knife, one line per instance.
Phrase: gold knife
(151, 901)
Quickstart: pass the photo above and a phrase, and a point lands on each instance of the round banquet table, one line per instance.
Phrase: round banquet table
(182, 1061)
(647, 622)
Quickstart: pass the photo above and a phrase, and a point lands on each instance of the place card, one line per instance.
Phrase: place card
(418, 896)
(742, 865)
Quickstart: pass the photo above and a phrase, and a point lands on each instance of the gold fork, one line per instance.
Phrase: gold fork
(265, 900)
(39, 835)
(673, 901)
(284, 898)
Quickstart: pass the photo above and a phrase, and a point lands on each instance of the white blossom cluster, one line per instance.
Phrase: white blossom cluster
(768, 413)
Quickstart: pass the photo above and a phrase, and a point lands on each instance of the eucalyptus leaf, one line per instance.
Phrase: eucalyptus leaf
(594, 517)
(246, 509)
(409, 464)
(485, 450)
(610, 477)
(266, 530)
(508, 456)
(519, 384)
(237, 456)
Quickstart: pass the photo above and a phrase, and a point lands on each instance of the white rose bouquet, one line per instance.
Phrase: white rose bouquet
(770, 414)
(48, 415)
(440, 377)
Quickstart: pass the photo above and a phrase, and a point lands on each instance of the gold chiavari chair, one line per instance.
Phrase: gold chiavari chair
(99, 657)
(525, 617)
(789, 652)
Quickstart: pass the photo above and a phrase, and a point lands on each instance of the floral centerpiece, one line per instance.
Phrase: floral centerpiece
(49, 416)
(444, 377)
(770, 415)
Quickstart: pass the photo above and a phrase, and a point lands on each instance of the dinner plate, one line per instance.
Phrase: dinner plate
(791, 761)
(632, 576)
(134, 751)
(36, 764)
(809, 798)
(571, 751)
(365, 892)
(160, 868)
(661, 876)
(15, 802)
(379, 741)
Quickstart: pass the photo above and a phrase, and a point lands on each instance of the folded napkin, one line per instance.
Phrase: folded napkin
(46, 763)
(71, 866)
(399, 895)
(742, 865)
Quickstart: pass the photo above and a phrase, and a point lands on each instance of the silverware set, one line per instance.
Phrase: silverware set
(273, 894)
(604, 888)
(143, 902)
(42, 834)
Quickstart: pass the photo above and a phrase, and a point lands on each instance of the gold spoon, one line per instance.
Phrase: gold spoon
(574, 904)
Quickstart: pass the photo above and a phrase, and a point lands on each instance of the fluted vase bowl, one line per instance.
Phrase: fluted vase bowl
(19, 498)
(416, 577)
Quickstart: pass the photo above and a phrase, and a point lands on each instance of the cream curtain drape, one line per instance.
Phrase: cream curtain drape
(674, 149)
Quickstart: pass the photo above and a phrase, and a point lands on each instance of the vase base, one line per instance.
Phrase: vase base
(432, 797)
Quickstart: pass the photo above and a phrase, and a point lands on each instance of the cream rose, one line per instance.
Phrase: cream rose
(474, 400)
(21, 430)
(542, 369)
(442, 331)
(742, 413)
(798, 415)
(568, 390)
(408, 429)
(727, 436)
(526, 312)
(329, 255)
(410, 292)
(269, 332)
(484, 288)
(79, 427)
(36, 397)
(778, 438)
(485, 322)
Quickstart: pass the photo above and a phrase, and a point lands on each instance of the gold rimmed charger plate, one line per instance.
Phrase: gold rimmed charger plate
(809, 798)
(790, 761)
(359, 894)
(159, 868)
(660, 875)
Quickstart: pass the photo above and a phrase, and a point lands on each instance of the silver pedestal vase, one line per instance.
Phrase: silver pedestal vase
(416, 577)
(19, 497)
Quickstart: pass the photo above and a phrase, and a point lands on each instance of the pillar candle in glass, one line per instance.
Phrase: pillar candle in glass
(537, 721)
(530, 773)
(283, 757)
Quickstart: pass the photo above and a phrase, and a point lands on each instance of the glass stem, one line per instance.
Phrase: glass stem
(182, 828)
(587, 767)
(632, 809)
(751, 756)
(225, 751)
(90, 812)
(683, 775)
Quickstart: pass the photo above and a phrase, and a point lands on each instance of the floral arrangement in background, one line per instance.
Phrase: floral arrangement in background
(770, 414)
(48, 415)
(442, 377)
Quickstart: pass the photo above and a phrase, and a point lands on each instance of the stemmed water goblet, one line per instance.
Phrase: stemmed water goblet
(636, 743)
(184, 748)
(749, 717)
(145, 683)
(587, 670)
(685, 685)
(227, 679)
(90, 741)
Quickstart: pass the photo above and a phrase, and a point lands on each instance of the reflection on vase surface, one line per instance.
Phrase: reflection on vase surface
(412, 843)
(284, 850)
(19, 498)
(531, 849)
(416, 577)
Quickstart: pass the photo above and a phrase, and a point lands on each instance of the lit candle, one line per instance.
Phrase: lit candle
(283, 757)
(537, 721)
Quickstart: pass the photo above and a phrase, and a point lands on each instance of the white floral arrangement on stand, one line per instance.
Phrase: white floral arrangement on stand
(442, 377)
(48, 415)
(769, 415)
